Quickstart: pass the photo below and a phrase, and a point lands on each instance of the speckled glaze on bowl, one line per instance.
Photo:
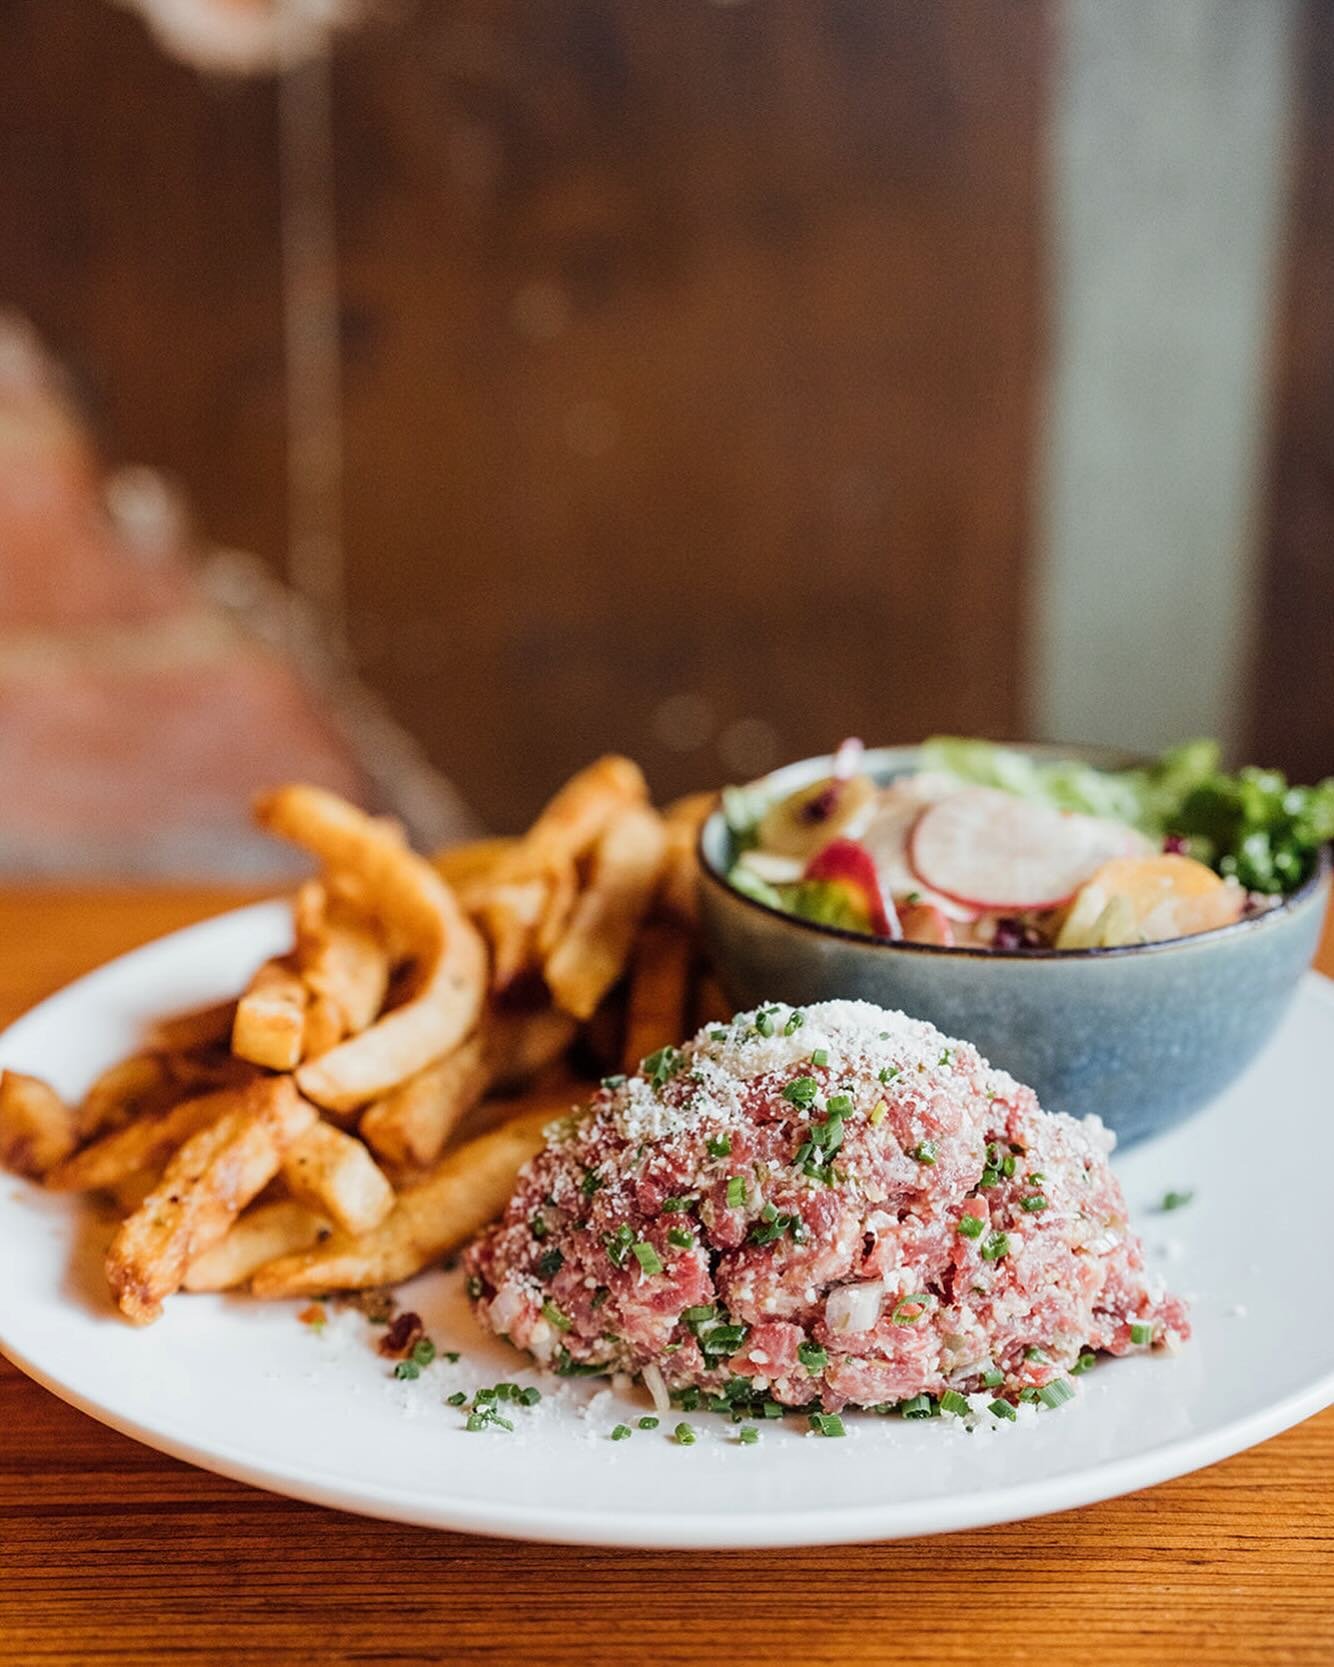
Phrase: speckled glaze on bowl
(1142, 1035)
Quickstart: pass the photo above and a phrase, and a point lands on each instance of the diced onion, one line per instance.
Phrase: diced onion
(506, 1307)
(851, 1308)
(656, 1385)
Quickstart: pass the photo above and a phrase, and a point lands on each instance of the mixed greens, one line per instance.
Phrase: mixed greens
(1250, 826)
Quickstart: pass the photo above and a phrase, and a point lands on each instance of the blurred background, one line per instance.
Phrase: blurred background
(423, 396)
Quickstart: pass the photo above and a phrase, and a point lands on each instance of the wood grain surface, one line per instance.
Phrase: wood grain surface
(111, 1553)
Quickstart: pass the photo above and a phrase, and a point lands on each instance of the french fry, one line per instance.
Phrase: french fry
(37, 1128)
(194, 1029)
(711, 1003)
(473, 864)
(264, 1232)
(520, 1044)
(140, 1083)
(202, 1191)
(588, 960)
(130, 1193)
(342, 960)
(414, 903)
(465, 1190)
(409, 1126)
(655, 1011)
(508, 917)
(562, 894)
(579, 814)
(683, 820)
(270, 1017)
(333, 1173)
(323, 1028)
(201, 1069)
(144, 1144)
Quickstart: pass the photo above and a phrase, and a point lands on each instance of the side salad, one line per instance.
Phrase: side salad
(990, 847)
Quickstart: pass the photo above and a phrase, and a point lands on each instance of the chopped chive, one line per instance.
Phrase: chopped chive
(679, 1237)
(647, 1257)
(996, 1247)
(1028, 1394)
(1085, 1363)
(970, 1226)
(925, 1151)
(684, 1434)
(719, 1146)
(771, 1409)
(530, 1396)
(1141, 1331)
(1032, 1352)
(618, 1245)
(801, 1091)
(1056, 1393)
(1002, 1409)
(795, 1019)
(1007, 1165)
(696, 1316)
(952, 1401)
(827, 1424)
(839, 1105)
(550, 1264)
(887, 1073)
(946, 1057)
(812, 1356)
(917, 1406)
(590, 1183)
(618, 1081)
(407, 1369)
(819, 1056)
(648, 1423)
(1176, 1200)
(562, 1322)
(917, 1300)
(661, 1065)
(538, 1227)
(993, 1378)
(675, 1206)
(719, 1035)
(452, 1356)
(621, 1433)
(423, 1351)
(736, 1191)
(456, 1399)
(878, 1113)
(1033, 1203)
(748, 1435)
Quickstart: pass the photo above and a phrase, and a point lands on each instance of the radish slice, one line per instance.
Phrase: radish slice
(886, 838)
(996, 851)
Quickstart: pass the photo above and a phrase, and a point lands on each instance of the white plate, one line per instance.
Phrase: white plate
(243, 1389)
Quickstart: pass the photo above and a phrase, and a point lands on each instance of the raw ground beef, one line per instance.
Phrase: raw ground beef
(834, 1205)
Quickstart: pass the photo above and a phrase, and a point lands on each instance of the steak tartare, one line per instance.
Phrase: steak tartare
(827, 1206)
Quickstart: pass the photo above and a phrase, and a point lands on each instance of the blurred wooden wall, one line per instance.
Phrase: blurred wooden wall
(693, 356)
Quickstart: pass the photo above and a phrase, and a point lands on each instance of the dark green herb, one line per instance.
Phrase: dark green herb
(648, 1423)
(1002, 1409)
(925, 1151)
(795, 1019)
(621, 1433)
(952, 1401)
(1176, 1200)
(681, 1238)
(970, 1226)
(996, 1247)
(550, 1263)
(647, 1257)
(801, 1091)
(819, 1056)
(736, 1192)
(685, 1435)
(551, 1313)
(719, 1146)
(748, 1435)
(423, 1351)
(812, 1356)
(1085, 1363)
(456, 1399)
(407, 1369)
(1141, 1331)
(918, 1406)
(827, 1424)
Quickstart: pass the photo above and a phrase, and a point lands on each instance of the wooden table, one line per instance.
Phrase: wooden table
(112, 1553)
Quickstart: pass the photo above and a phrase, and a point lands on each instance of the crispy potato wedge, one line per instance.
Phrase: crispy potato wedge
(343, 961)
(576, 818)
(201, 1069)
(588, 960)
(145, 1144)
(202, 1191)
(508, 917)
(562, 895)
(271, 1017)
(131, 1087)
(37, 1128)
(656, 1004)
(409, 1126)
(128, 1194)
(417, 906)
(680, 872)
(333, 1173)
(263, 1233)
(465, 1190)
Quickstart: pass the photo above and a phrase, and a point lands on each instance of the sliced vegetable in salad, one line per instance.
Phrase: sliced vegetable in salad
(988, 846)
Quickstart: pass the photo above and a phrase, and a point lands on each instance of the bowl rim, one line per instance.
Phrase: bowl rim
(1110, 757)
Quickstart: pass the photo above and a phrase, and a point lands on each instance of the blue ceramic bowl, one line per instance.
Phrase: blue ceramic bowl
(1143, 1035)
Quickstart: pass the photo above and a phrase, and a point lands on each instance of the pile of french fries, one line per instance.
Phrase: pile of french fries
(364, 1106)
